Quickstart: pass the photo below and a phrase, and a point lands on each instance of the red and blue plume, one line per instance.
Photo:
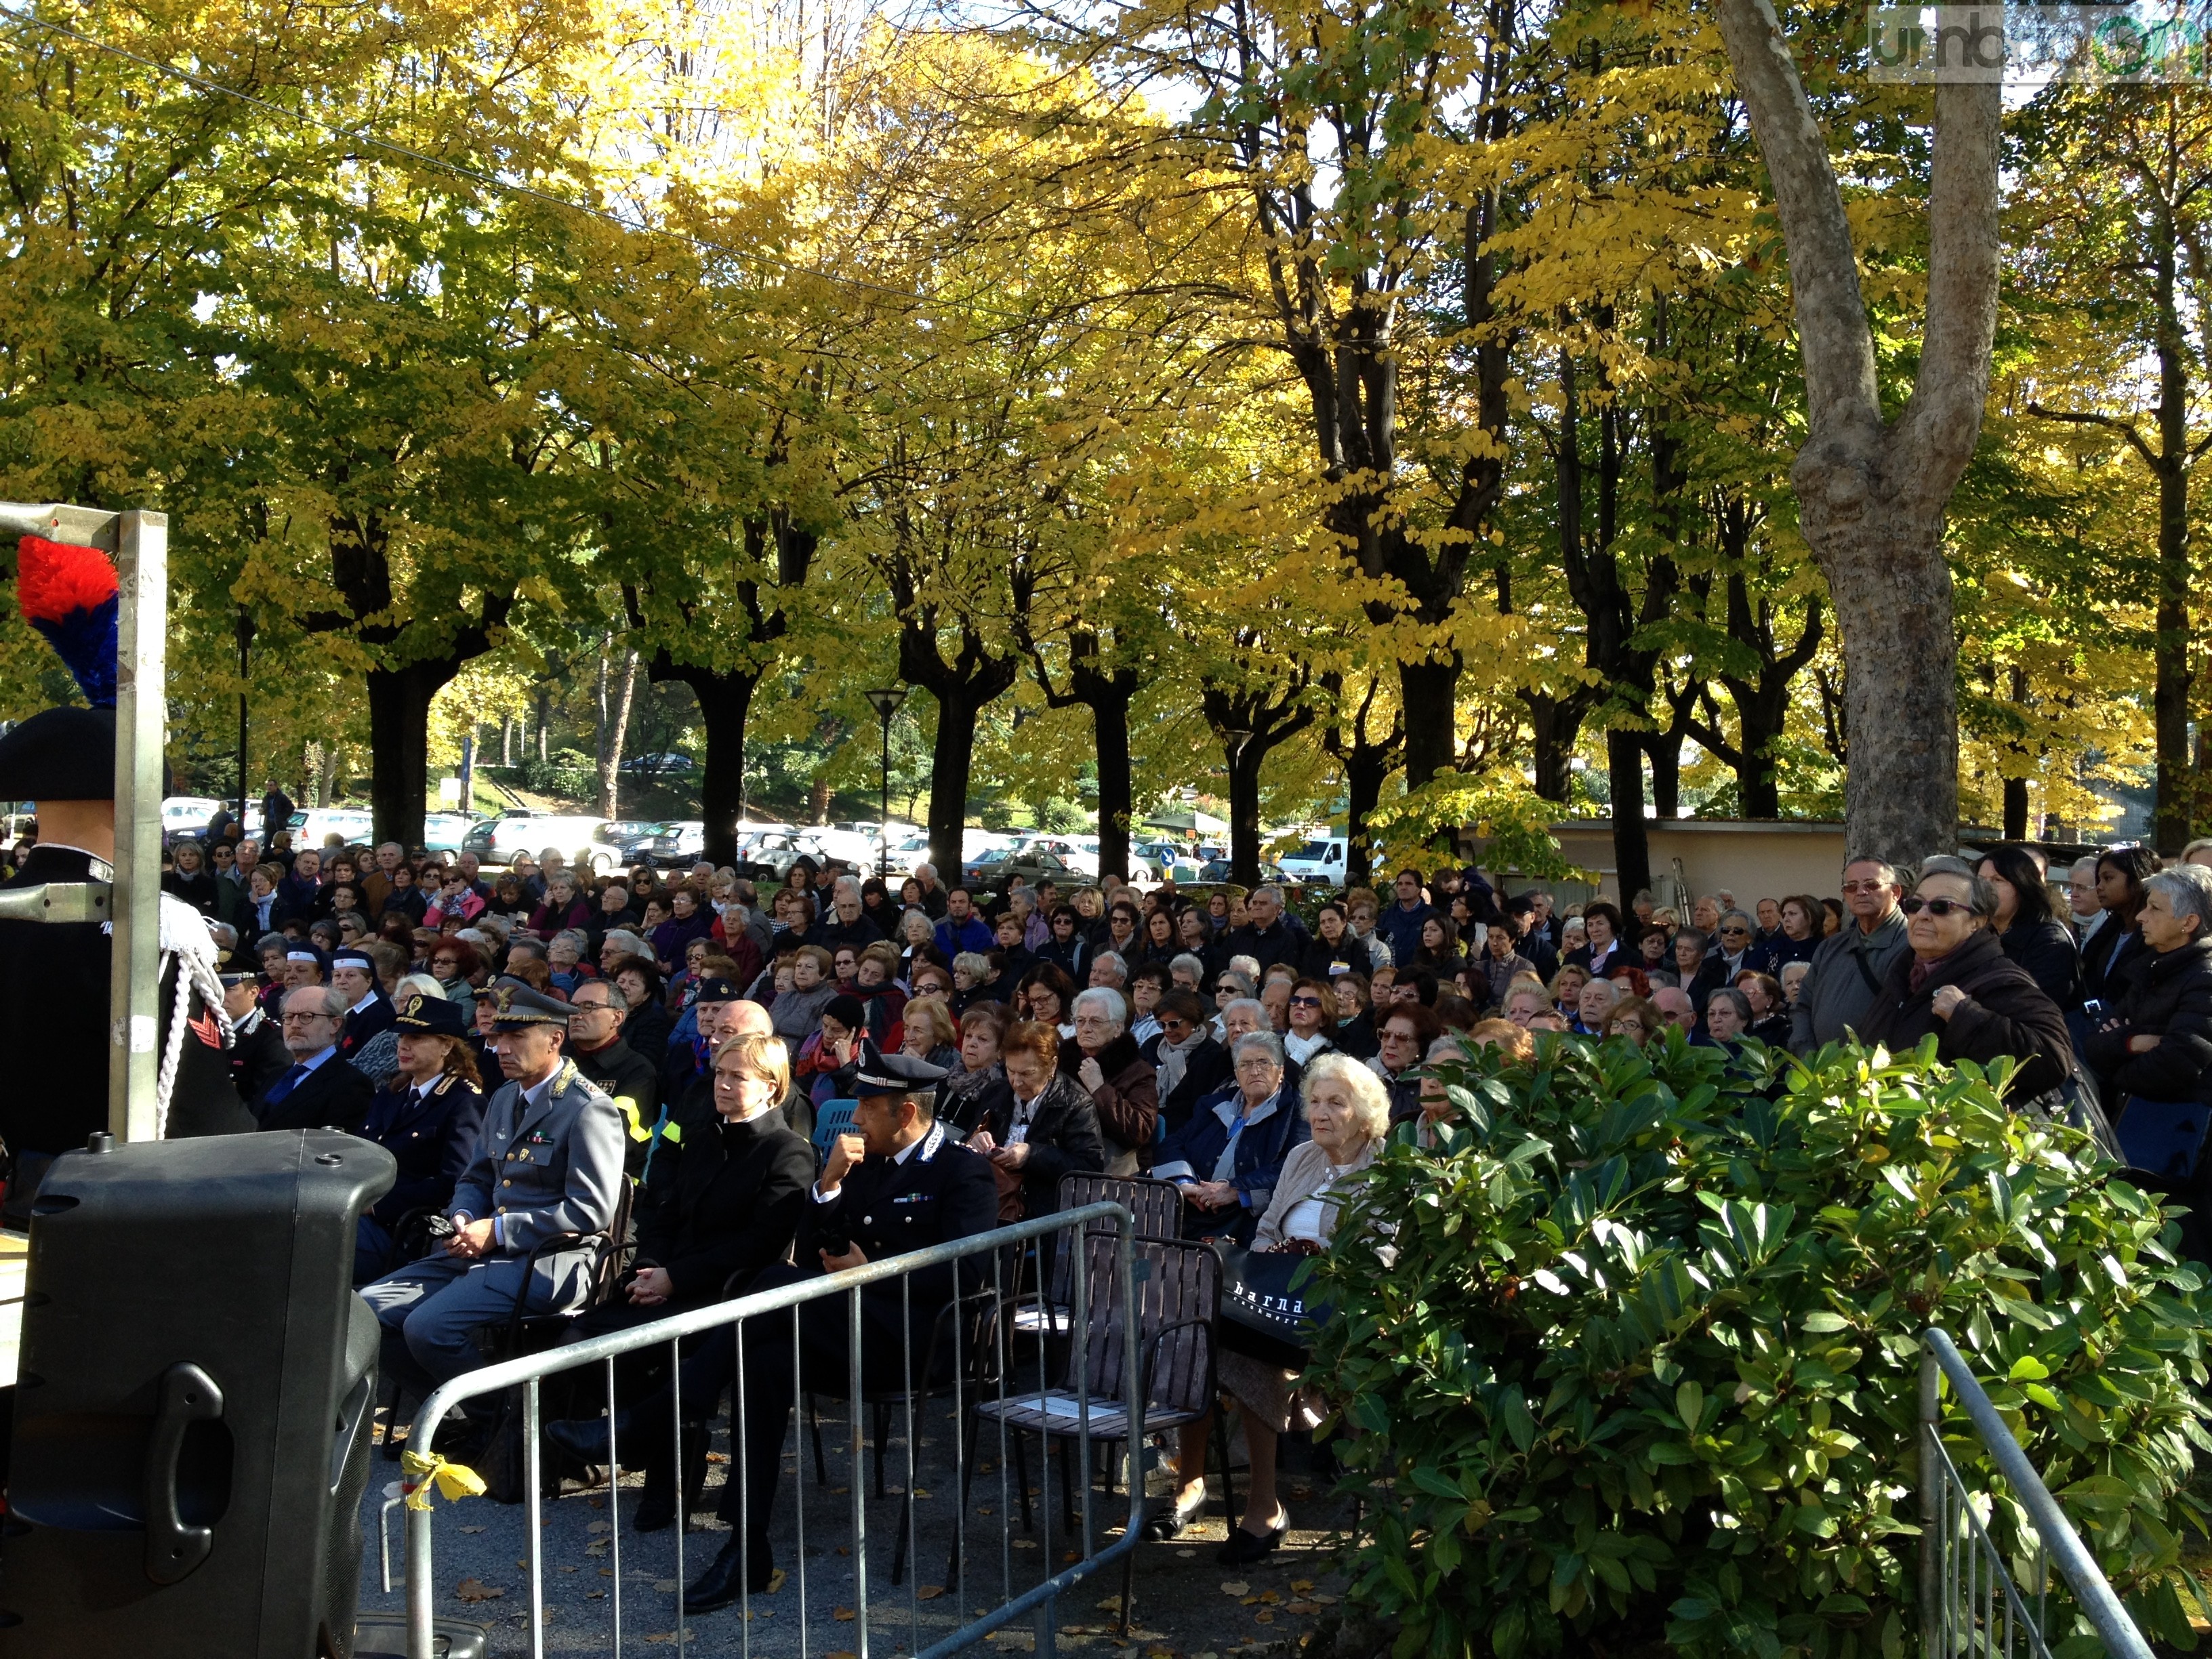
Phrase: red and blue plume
(68, 593)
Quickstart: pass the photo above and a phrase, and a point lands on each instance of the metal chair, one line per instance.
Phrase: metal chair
(528, 1332)
(1178, 1301)
(1156, 1205)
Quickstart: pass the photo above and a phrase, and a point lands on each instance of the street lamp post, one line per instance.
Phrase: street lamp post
(885, 701)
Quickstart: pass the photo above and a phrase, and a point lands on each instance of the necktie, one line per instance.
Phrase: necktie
(285, 1085)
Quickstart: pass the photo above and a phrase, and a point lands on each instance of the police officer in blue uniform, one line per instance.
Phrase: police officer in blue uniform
(429, 1119)
(549, 1163)
(898, 1182)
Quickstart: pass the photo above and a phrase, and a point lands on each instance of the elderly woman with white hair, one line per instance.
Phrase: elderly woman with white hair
(1106, 1060)
(1346, 1114)
(2158, 1043)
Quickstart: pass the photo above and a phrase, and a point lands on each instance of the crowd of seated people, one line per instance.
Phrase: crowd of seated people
(531, 1044)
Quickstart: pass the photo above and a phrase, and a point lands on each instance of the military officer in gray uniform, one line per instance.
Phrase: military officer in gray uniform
(550, 1161)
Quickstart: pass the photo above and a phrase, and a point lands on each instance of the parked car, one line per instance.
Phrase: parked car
(773, 852)
(679, 845)
(657, 765)
(1319, 862)
(446, 832)
(1216, 870)
(315, 826)
(576, 836)
(186, 816)
(479, 836)
(1168, 861)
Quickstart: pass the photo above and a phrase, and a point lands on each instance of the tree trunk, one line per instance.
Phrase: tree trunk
(1665, 749)
(951, 762)
(544, 718)
(469, 770)
(613, 726)
(399, 737)
(1109, 725)
(507, 740)
(1554, 725)
(1872, 495)
(1244, 756)
(1429, 692)
(1367, 766)
(1632, 836)
(725, 703)
(2175, 813)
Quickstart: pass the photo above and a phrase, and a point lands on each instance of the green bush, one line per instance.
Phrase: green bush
(571, 774)
(1640, 1364)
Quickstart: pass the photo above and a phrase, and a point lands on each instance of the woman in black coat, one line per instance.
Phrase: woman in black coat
(1041, 1126)
(2158, 1044)
(188, 878)
(2030, 934)
(1956, 981)
(429, 1120)
(2117, 956)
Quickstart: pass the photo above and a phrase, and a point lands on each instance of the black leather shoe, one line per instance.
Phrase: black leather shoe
(1244, 1547)
(655, 1512)
(1161, 1527)
(737, 1571)
(584, 1438)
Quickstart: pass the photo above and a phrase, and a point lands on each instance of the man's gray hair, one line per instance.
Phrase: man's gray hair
(2087, 861)
(1979, 894)
(846, 884)
(1106, 1001)
(1120, 966)
(334, 1002)
(533, 949)
(1245, 968)
(1268, 889)
(1888, 870)
(2188, 889)
(1265, 1041)
(631, 944)
(1186, 964)
(925, 871)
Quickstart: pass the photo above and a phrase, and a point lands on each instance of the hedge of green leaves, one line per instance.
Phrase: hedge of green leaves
(1641, 1361)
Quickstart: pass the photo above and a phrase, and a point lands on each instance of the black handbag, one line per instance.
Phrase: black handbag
(1265, 1315)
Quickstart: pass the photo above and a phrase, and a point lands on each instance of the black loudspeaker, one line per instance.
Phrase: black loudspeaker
(194, 1404)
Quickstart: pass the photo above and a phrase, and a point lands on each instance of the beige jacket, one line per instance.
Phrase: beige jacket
(1305, 1172)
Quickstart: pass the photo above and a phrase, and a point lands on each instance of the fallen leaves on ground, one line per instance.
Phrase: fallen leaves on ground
(1236, 1586)
(664, 1585)
(1264, 1617)
(776, 1576)
(473, 1589)
(844, 1615)
(928, 1592)
(601, 1526)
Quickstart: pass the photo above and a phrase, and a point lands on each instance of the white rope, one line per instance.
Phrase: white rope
(185, 941)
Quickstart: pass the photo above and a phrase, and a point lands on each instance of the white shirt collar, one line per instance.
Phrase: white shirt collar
(364, 1005)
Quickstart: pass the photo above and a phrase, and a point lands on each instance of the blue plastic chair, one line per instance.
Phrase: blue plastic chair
(831, 1119)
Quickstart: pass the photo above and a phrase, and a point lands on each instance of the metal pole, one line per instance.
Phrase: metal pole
(885, 824)
(1931, 1477)
(134, 992)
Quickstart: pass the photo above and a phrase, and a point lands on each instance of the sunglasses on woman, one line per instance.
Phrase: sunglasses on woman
(1934, 907)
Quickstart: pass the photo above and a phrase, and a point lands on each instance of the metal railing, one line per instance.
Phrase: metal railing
(987, 1257)
(1970, 1602)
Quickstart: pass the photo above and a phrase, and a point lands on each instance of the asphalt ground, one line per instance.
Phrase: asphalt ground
(1186, 1605)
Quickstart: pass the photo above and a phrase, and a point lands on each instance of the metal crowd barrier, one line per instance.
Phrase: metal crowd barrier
(1969, 1602)
(1082, 1230)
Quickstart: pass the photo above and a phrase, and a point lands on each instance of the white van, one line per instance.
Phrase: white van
(1320, 862)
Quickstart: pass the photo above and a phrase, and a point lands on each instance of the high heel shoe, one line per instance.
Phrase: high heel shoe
(1161, 1527)
(1244, 1547)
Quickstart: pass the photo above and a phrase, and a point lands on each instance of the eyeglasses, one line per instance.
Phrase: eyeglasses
(1738, 931)
(307, 1019)
(1306, 1002)
(1864, 886)
(1914, 906)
